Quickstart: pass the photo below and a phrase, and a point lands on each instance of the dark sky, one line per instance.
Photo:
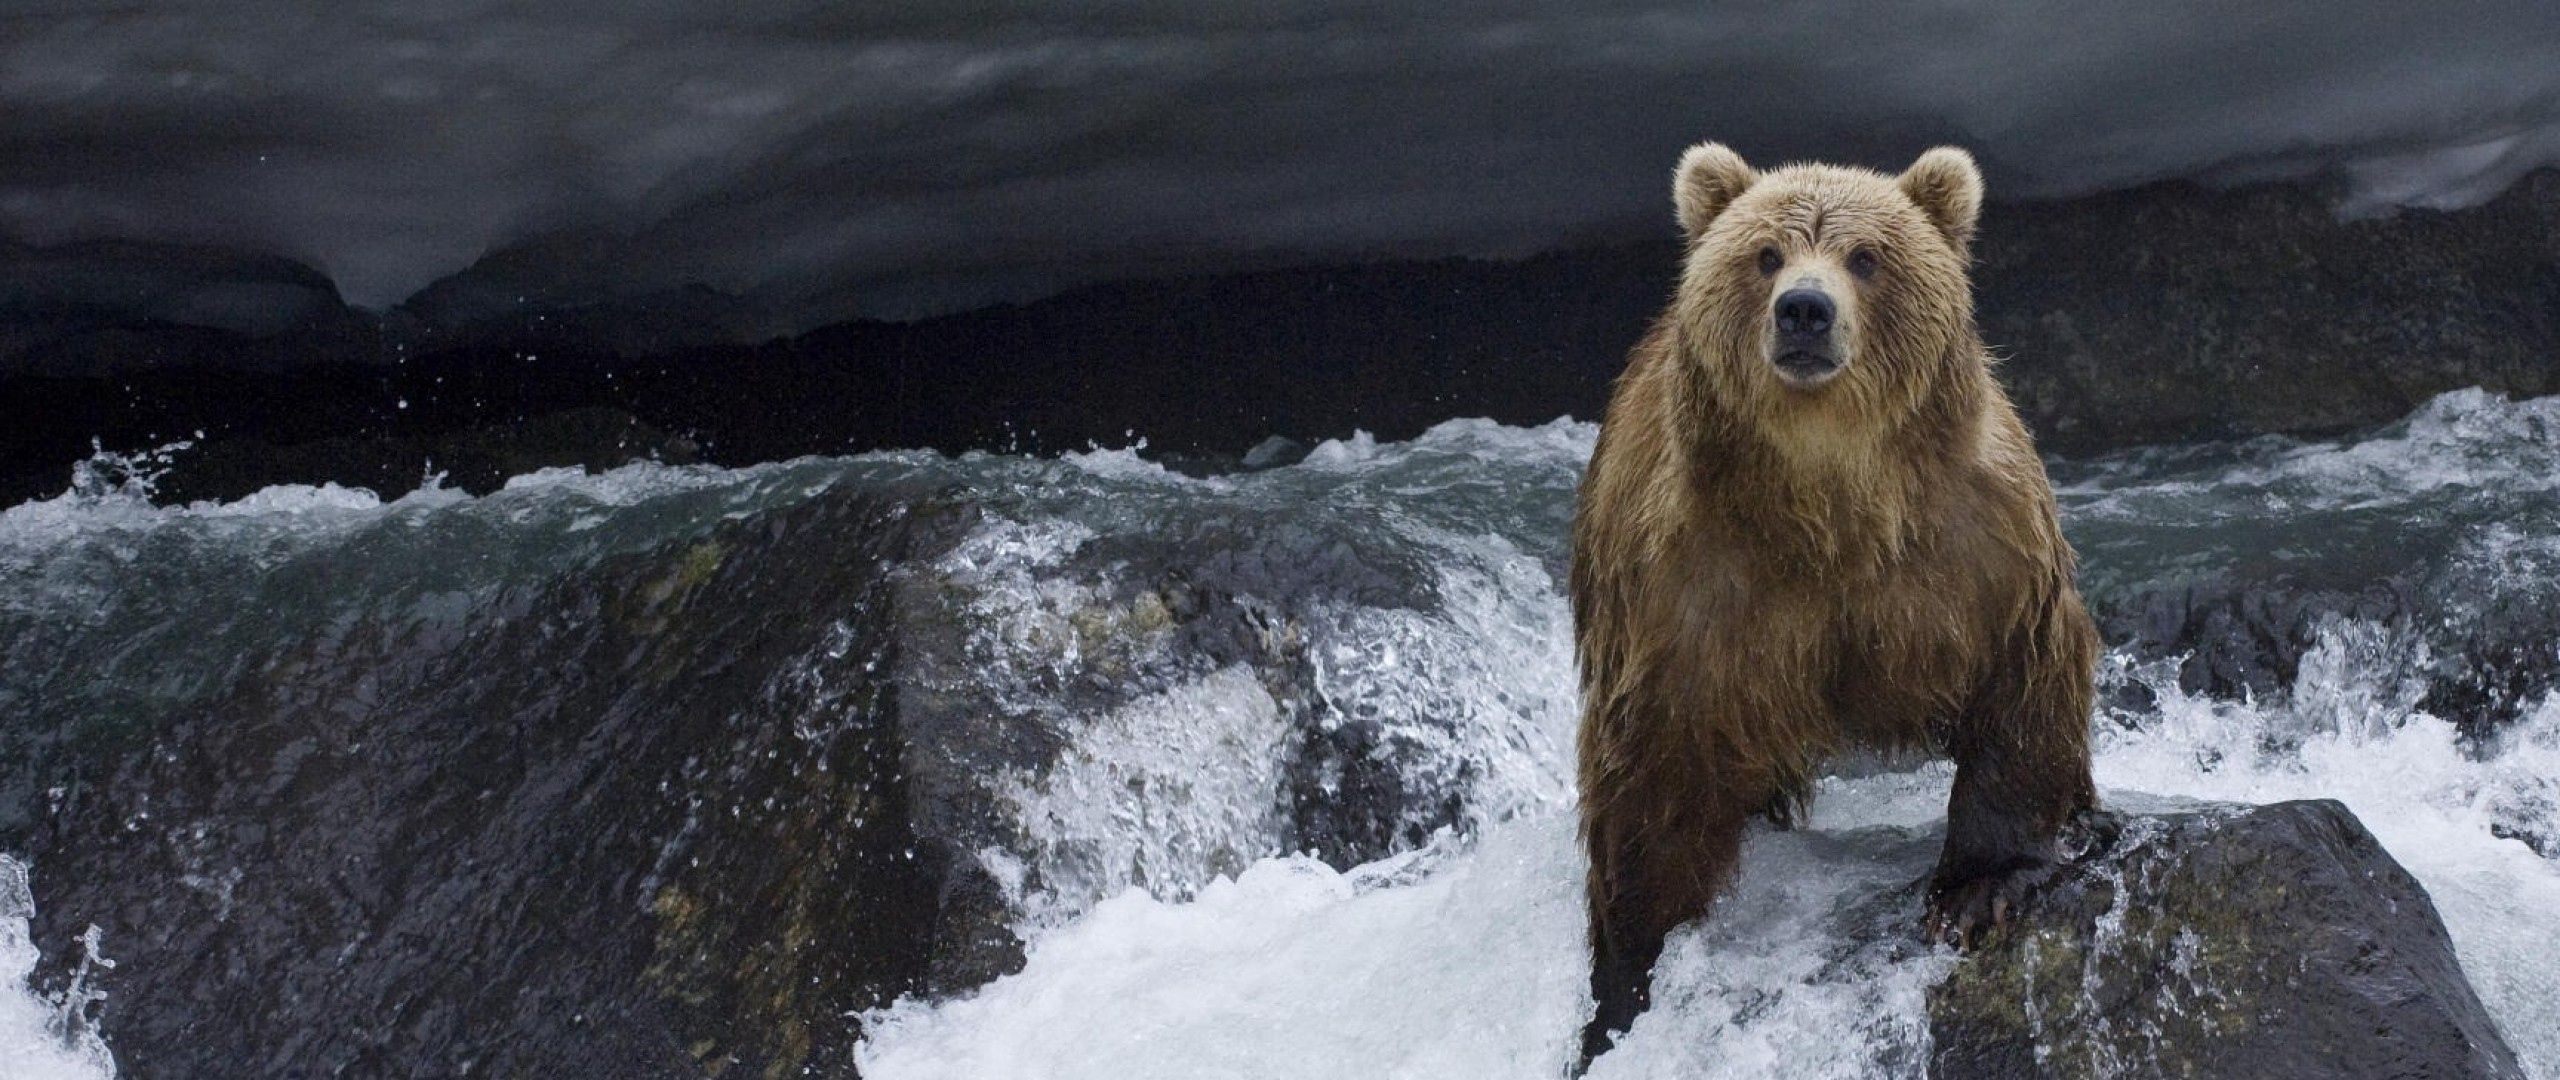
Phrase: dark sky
(899, 158)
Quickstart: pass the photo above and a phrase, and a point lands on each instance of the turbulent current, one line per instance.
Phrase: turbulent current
(1117, 771)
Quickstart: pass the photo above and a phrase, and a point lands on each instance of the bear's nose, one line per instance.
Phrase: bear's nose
(1804, 312)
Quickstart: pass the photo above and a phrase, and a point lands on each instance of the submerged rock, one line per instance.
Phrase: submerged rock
(2268, 942)
(435, 802)
(674, 773)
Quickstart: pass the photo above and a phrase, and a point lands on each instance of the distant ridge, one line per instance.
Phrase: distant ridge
(2163, 313)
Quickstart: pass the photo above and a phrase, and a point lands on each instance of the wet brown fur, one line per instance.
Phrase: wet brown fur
(1764, 575)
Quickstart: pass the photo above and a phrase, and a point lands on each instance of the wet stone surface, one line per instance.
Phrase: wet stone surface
(2277, 941)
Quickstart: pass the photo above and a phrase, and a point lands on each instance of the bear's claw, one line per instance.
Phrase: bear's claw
(1963, 912)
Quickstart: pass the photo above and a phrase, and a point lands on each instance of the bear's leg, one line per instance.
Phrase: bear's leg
(2001, 822)
(2022, 770)
(1649, 874)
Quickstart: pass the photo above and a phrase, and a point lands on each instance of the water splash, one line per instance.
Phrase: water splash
(1167, 792)
(1289, 969)
(46, 1037)
(1410, 592)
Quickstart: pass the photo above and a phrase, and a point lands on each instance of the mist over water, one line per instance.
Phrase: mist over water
(1410, 655)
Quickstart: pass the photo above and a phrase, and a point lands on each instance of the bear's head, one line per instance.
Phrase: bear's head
(1818, 296)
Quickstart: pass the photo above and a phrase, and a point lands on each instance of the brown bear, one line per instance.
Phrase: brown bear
(1814, 522)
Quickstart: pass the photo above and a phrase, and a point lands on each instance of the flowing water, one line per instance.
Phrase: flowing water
(1268, 772)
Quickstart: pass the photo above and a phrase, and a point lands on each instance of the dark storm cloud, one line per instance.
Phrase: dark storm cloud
(916, 156)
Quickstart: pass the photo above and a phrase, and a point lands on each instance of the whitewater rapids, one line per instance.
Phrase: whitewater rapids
(1172, 935)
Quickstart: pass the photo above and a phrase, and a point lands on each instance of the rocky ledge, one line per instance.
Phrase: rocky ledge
(2271, 942)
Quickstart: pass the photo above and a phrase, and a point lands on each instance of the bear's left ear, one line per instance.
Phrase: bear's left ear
(1949, 189)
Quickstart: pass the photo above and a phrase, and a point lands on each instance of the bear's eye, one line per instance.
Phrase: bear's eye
(1863, 263)
(1769, 260)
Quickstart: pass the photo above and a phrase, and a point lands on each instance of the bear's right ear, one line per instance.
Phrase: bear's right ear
(1710, 177)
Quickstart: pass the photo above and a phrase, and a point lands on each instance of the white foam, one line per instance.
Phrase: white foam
(38, 1041)
(2459, 441)
(1163, 793)
(1360, 449)
(1476, 971)
(1795, 975)
(1476, 696)
(1295, 970)
(1562, 440)
(1127, 463)
(1290, 970)
(114, 492)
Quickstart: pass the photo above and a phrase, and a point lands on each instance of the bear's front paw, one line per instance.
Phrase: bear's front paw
(1965, 908)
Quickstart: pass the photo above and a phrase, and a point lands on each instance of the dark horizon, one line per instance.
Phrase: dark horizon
(820, 165)
(2290, 321)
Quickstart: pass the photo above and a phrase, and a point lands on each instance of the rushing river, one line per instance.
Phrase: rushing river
(1257, 774)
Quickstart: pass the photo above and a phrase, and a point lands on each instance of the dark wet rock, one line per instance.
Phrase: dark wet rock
(680, 796)
(617, 815)
(2273, 942)
(2177, 312)
(2424, 637)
